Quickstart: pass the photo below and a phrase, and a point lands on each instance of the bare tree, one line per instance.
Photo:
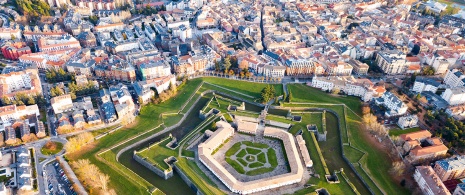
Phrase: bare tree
(397, 168)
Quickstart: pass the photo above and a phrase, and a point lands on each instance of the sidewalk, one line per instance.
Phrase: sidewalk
(80, 189)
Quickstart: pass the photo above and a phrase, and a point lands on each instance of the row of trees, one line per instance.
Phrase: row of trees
(165, 95)
(92, 177)
(226, 64)
(288, 98)
(54, 76)
(23, 99)
(85, 89)
(371, 124)
(453, 132)
(33, 8)
(76, 143)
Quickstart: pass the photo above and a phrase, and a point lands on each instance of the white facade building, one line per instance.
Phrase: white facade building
(408, 121)
(362, 88)
(425, 84)
(429, 182)
(392, 62)
(454, 96)
(393, 103)
(454, 78)
(62, 103)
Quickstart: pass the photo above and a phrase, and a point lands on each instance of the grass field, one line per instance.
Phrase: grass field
(397, 131)
(252, 89)
(156, 154)
(122, 179)
(307, 118)
(245, 157)
(375, 161)
(45, 151)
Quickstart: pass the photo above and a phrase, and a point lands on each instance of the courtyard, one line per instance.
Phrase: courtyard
(250, 158)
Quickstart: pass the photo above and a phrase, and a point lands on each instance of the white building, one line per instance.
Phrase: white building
(393, 103)
(392, 62)
(454, 78)
(271, 70)
(429, 182)
(362, 88)
(458, 112)
(408, 121)
(152, 69)
(454, 96)
(425, 84)
(440, 65)
(11, 113)
(62, 103)
(460, 189)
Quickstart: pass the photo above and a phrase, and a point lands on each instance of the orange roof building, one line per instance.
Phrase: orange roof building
(422, 146)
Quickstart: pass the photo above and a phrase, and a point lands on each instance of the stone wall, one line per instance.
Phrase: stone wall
(187, 180)
(166, 174)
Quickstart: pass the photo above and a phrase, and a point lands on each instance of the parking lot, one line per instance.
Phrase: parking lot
(56, 181)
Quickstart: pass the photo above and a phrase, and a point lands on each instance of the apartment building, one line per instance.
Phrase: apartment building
(49, 59)
(8, 33)
(429, 182)
(425, 84)
(359, 68)
(339, 68)
(454, 78)
(460, 189)
(271, 70)
(395, 106)
(62, 103)
(116, 69)
(12, 50)
(19, 79)
(362, 88)
(11, 113)
(54, 44)
(154, 69)
(122, 101)
(392, 62)
(457, 111)
(144, 88)
(46, 32)
(420, 146)
(454, 96)
(450, 168)
(408, 121)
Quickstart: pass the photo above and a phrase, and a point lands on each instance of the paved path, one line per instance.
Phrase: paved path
(80, 189)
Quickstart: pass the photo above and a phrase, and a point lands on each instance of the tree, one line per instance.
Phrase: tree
(366, 109)
(6, 100)
(268, 93)
(289, 97)
(428, 70)
(397, 168)
(226, 63)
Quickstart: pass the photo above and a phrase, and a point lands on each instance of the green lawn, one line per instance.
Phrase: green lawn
(125, 181)
(45, 151)
(272, 159)
(307, 118)
(397, 131)
(249, 88)
(198, 177)
(172, 119)
(237, 165)
(157, 153)
(376, 162)
(341, 188)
